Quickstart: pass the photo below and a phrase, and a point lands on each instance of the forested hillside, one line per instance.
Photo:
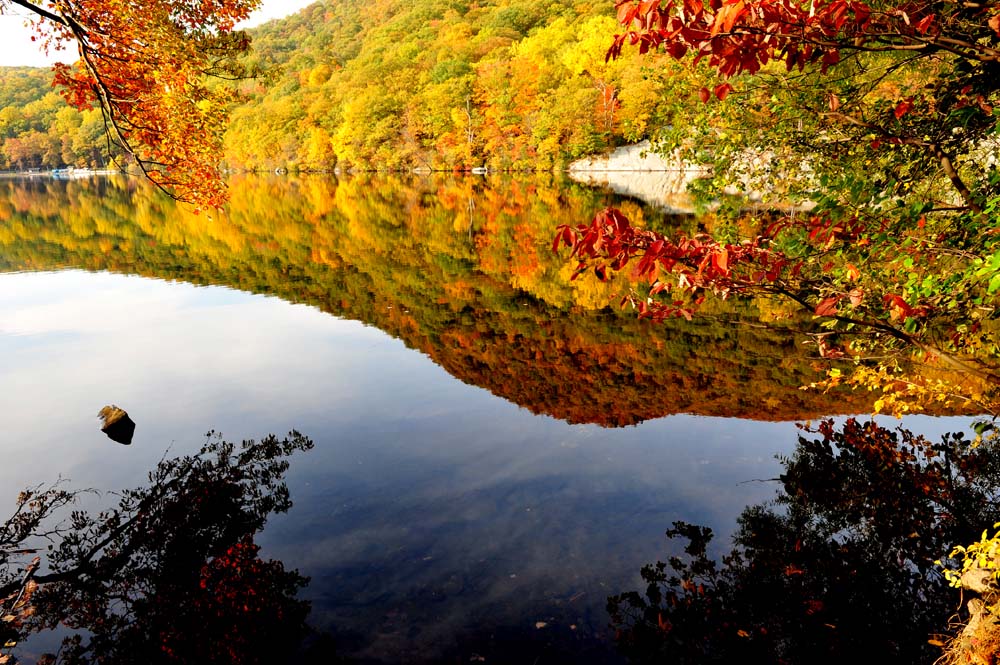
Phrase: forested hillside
(436, 84)
(443, 83)
(38, 129)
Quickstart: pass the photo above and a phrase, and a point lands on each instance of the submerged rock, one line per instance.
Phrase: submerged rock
(117, 425)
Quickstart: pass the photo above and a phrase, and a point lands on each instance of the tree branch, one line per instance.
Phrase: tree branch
(943, 158)
(41, 11)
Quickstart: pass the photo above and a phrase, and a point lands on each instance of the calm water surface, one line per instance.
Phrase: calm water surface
(495, 453)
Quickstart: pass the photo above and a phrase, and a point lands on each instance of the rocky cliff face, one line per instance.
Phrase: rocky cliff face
(635, 170)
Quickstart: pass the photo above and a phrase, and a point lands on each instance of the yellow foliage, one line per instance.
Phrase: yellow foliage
(900, 392)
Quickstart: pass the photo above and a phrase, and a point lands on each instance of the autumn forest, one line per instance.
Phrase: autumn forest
(392, 85)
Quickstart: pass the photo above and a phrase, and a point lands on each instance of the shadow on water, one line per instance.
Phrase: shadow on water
(841, 565)
(170, 574)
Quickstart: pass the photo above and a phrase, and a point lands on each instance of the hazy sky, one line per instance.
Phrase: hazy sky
(18, 49)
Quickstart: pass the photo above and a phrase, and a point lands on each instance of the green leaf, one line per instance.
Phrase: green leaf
(994, 284)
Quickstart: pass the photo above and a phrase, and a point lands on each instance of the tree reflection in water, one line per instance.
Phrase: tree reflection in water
(171, 574)
(841, 565)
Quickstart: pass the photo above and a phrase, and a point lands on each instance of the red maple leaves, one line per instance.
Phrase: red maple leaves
(741, 36)
(696, 263)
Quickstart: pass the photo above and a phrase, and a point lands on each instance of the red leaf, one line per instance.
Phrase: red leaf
(626, 12)
(705, 95)
(925, 23)
(677, 50)
(898, 308)
(646, 7)
(830, 58)
(903, 108)
(721, 91)
(728, 15)
(564, 235)
(827, 306)
(721, 260)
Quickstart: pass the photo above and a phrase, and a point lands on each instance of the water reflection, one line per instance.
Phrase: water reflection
(475, 287)
(423, 496)
(841, 566)
(438, 522)
(169, 574)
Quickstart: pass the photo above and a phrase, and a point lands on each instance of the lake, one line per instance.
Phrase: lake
(496, 449)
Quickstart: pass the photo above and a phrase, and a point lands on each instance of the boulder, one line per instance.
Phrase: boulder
(117, 425)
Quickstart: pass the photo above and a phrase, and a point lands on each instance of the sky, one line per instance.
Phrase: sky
(19, 50)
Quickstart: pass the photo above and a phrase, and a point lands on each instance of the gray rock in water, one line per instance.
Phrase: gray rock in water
(117, 425)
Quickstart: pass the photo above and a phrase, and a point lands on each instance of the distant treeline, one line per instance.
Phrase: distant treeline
(387, 84)
(38, 129)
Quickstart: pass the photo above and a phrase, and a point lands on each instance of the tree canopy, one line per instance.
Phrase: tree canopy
(871, 131)
(146, 66)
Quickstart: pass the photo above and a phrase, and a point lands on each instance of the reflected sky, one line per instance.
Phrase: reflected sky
(429, 511)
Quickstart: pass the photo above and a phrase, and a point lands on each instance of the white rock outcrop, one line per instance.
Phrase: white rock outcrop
(635, 170)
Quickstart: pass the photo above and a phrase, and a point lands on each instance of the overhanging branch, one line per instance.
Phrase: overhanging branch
(41, 11)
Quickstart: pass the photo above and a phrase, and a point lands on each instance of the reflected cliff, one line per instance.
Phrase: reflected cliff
(459, 268)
